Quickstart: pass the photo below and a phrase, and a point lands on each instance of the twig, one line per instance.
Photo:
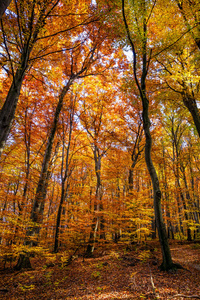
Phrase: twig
(153, 286)
(185, 296)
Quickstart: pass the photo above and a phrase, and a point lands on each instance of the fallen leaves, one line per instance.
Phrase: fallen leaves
(108, 277)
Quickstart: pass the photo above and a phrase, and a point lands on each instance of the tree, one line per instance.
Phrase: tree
(66, 168)
(94, 117)
(27, 29)
(144, 18)
(29, 19)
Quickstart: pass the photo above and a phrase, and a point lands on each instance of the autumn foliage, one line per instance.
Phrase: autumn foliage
(72, 170)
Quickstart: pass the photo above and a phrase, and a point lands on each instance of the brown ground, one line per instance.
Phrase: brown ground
(115, 274)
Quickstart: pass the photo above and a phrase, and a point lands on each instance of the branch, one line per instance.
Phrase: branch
(169, 46)
(68, 29)
(7, 51)
(133, 49)
(185, 296)
(153, 286)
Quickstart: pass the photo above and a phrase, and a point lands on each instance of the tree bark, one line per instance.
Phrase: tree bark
(36, 22)
(38, 206)
(166, 254)
(7, 112)
(97, 221)
(64, 176)
(3, 6)
(191, 105)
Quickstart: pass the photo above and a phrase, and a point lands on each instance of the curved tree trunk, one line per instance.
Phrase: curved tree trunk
(191, 105)
(166, 254)
(167, 263)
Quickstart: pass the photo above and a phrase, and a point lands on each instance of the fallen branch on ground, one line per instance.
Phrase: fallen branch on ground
(153, 286)
(185, 296)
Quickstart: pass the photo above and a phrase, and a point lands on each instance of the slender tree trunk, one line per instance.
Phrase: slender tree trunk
(166, 254)
(58, 219)
(136, 152)
(166, 193)
(188, 204)
(97, 221)
(64, 176)
(194, 193)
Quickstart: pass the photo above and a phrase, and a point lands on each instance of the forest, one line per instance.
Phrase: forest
(99, 134)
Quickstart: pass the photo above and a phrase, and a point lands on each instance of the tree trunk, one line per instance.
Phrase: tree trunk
(166, 254)
(3, 6)
(39, 201)
(7, 112)
(191, 105)
(64, 176)
(23, 262)
(58, 219)
(38, 206)
(97, 221)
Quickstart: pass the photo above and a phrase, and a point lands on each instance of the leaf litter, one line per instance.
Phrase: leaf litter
(118, 273)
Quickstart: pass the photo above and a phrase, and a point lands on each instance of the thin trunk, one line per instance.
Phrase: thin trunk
(97, 205)
(58, 219)
(187, 215)
(136, 152)
(167, 209)
(166, 254)
(194, 194)
(64, 175)
(176, 156)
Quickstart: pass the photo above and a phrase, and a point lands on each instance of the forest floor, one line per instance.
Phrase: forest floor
(117, 273)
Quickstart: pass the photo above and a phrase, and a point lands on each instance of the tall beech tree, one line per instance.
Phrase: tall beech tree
(93, 118)
(28, 35)
(145, 14)
(79, 65)
(27, 21)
